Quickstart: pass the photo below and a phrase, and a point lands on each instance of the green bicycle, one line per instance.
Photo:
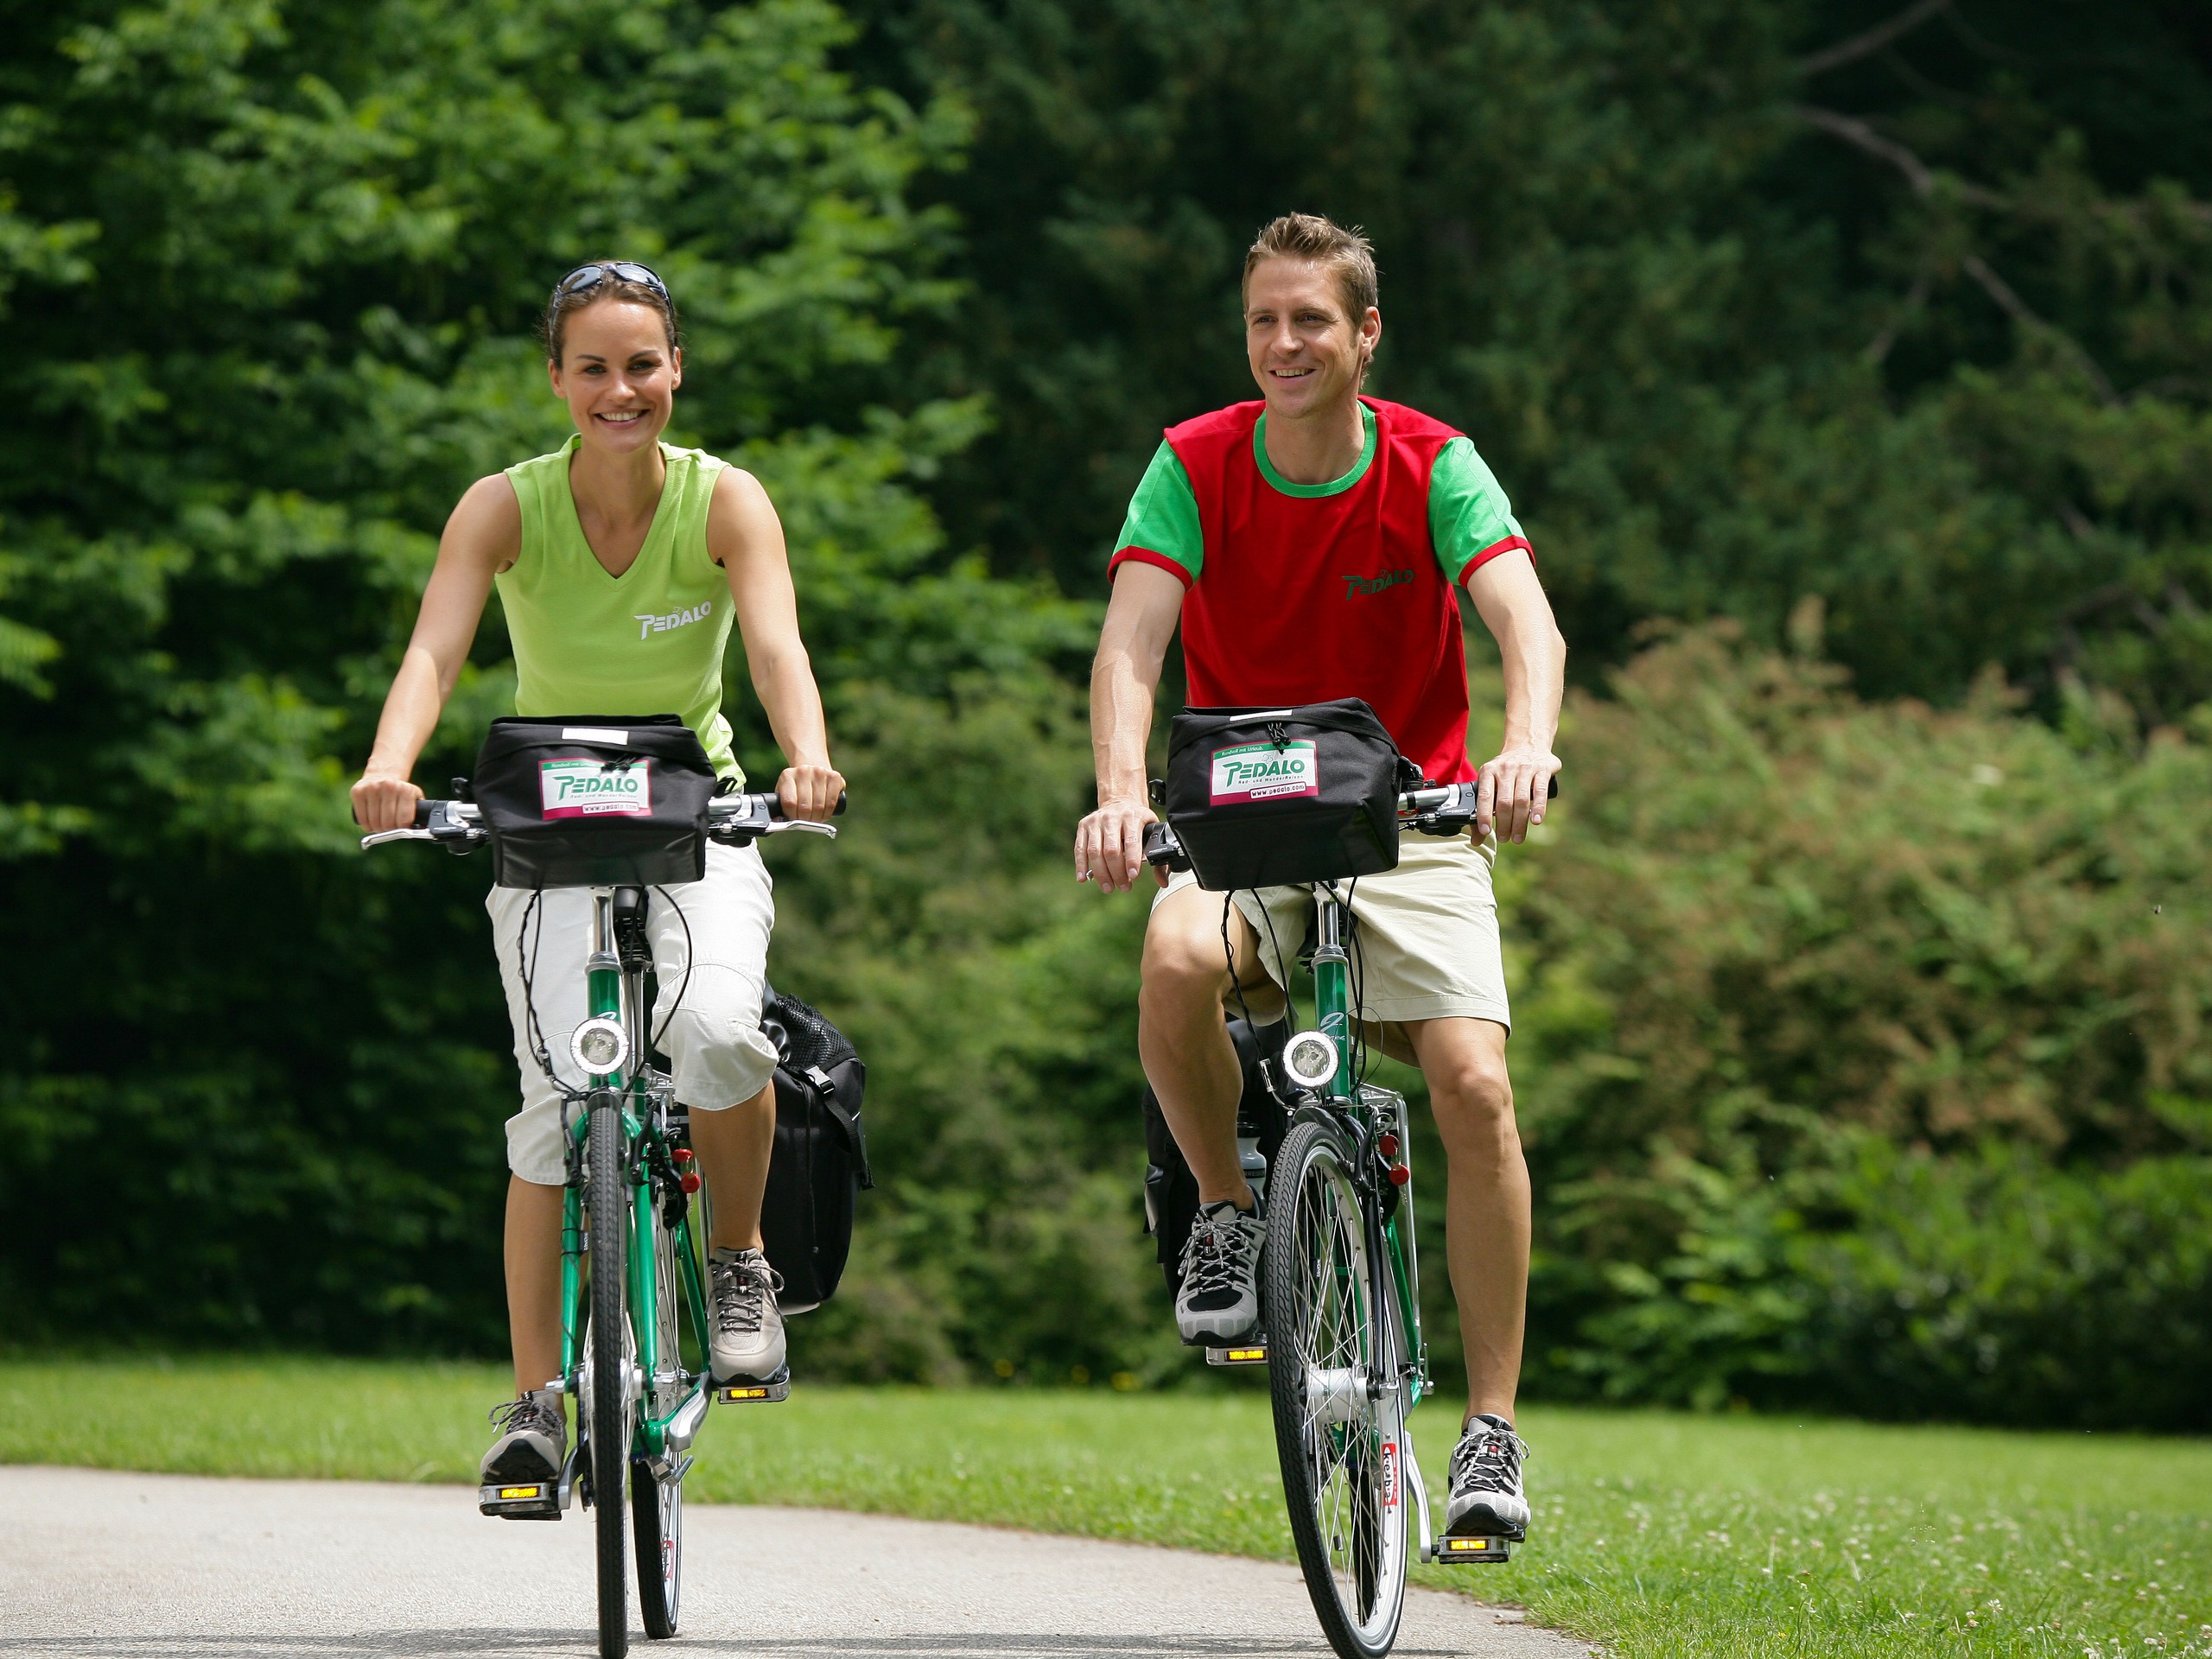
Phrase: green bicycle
(1340, 1296)
(631, 1278)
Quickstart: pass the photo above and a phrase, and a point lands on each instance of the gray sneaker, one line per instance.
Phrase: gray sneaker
(1486, 1500)
(1218, 1299)
(533, 1440)
(746, 1344)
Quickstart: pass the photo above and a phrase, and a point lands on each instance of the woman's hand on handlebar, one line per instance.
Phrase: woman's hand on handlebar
(383, 801)
(1110, 845)
(809, 792)
(1513, 793)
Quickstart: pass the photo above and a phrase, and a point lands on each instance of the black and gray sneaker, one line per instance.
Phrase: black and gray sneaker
(1486, 1500)
(533, 1440)
(746, 1344)
(1218, 1299)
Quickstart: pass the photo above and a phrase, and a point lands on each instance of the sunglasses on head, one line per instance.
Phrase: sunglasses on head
(585, 277)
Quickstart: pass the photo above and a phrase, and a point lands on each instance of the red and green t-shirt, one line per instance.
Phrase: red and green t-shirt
(1300, 592)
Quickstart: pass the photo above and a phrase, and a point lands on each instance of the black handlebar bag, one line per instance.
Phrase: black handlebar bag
(1264, 798)
(594, 800)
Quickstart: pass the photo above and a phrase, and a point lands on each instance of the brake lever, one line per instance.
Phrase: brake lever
(1162, 847)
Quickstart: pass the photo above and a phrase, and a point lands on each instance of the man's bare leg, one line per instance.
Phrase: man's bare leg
(1188, 1057)
(1486, 1200)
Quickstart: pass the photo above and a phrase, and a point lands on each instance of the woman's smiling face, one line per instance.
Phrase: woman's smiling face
(619, 374)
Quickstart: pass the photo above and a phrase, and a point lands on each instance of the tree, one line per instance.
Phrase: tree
(271, 272)
(1906, 310)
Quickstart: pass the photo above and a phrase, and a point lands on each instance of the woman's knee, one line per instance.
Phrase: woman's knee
(713, 1037)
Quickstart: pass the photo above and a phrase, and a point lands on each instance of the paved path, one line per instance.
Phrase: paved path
(129, 1566)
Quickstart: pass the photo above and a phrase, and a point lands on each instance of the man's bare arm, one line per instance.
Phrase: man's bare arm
(1132, 645)
(1514, 607)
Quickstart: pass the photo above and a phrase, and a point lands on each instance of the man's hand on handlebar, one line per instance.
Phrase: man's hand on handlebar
(809, 792)
(1110, 845)
(1512, 792)
(383, 801)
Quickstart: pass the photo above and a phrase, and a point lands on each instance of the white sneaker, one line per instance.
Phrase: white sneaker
(1486, 1500)
(746, 1343)
(1218, 1299)
(533, 1440)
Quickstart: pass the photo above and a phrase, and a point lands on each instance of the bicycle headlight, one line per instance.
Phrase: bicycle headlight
(1310, 1059)
(600, 1045)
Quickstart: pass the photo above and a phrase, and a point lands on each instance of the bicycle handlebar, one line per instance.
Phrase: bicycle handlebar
(1444, 810)
(737, 819)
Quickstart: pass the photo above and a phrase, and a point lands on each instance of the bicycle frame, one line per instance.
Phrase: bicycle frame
(615, 991)
(1334, 1015)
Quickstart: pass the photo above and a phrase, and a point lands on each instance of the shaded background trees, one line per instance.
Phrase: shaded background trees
(1860, 350)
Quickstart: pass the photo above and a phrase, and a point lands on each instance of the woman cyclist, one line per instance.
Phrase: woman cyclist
(620, 561)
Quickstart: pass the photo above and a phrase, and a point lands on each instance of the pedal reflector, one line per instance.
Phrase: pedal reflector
(1242, 1354)
(1473, 1551)
(508, 1493)
(746, 1393)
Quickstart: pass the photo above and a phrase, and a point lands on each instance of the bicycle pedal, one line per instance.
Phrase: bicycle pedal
(1470, 1551)
(1243, 1353)
(777, 1387)
(528, 1500)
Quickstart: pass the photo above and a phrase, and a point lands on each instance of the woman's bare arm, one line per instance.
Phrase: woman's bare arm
(482, 537)
(746, 538)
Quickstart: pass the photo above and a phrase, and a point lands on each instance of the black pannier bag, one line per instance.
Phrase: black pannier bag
(1171, 1192)
(594, 800)
(820, 1162)
(1264, 798)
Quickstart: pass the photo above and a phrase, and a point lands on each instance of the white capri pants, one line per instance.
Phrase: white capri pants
(713, 1037)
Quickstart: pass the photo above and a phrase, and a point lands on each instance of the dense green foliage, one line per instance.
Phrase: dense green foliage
(273, 273)
(1861, 1047)
(1924, 332)
(1867, 1061)
(1662, 1535)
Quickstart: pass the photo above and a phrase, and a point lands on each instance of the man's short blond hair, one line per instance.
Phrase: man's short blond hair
(1347, 254)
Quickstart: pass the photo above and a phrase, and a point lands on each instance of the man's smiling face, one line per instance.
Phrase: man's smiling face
(1304, 346)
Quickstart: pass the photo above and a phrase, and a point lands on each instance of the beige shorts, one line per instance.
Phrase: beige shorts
(719, 926)
(1428, 932)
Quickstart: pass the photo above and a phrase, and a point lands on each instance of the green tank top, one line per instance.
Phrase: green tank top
(648, 641)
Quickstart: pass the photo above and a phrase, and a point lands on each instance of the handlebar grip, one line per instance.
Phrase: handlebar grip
(423, 810)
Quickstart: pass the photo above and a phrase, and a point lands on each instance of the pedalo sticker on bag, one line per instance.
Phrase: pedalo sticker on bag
(588, 789)
(1260, 772)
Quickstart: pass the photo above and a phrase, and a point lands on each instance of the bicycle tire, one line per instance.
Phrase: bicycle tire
(608, 1193)
(1339, 1397)
(657, 1505)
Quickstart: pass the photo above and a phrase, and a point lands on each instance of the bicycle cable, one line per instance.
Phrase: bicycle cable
(683, 985)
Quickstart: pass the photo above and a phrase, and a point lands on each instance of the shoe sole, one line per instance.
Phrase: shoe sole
(519, 1465)
(1222, 1337)
(1480, 1521)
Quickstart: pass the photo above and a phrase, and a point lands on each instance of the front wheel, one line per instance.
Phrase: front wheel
(1338, 1397)
(608, 1194)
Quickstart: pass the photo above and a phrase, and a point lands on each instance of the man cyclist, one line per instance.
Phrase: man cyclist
(1309, 544)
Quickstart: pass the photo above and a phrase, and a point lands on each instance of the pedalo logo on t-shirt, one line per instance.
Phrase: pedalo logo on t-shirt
(649, 623)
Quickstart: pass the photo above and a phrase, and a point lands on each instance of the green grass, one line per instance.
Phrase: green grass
(1656, 1535)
